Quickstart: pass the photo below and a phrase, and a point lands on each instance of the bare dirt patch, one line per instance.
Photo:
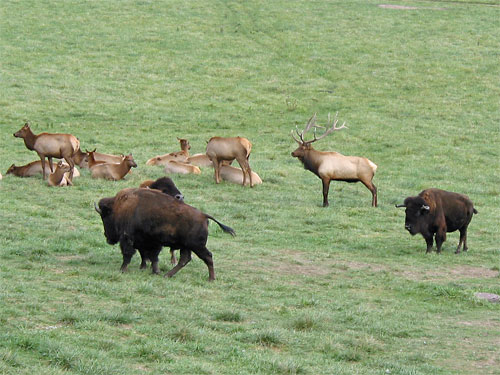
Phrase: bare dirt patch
(456, 273)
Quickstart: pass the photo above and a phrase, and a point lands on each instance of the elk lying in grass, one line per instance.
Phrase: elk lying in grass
(50, 145)
(180, 156)
(114, 172)
(330, 166)
(236, 175)
(34, 168)
(92, 162)
(220, 149)
(60, 176)
(200, 160)
(181, 168)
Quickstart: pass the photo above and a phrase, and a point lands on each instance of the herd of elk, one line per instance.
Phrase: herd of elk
(332, 165)
(50, 145)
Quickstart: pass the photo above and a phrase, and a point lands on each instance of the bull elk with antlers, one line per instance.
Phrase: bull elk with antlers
(330, 166)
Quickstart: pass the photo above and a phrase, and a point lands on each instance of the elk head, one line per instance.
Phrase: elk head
(305, 146)
(23, 132)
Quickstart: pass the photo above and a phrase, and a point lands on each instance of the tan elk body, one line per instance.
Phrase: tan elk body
(181, 168)
(330, 166)
(235, 175)
(221, 149)
(50, 145)
(60, 176)
(180, 156)
(34, 168)
(114, 172)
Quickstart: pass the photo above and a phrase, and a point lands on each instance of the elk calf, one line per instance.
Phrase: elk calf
(330, 166)
(114, 172)
(221, 149)
(50, 145)
(60, 177)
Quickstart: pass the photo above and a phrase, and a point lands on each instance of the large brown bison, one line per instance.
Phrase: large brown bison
(434, 212)
(147, 219)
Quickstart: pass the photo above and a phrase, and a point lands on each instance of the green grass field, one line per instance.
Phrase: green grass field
(301, 289)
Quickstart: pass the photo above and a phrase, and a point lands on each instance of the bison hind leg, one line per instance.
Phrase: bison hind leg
(205, 255)
(184, 259)
(463, 240)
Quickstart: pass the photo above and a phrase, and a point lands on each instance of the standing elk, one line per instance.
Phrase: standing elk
(330, 166)
(221, 149)
(50, 145)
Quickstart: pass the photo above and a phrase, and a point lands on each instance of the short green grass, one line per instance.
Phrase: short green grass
(301, 289)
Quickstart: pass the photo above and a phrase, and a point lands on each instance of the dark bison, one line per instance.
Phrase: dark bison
(165, 185)
(435, 212)
(147, 219)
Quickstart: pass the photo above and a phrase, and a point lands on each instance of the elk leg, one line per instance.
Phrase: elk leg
(42, 158)
(71, 164)
(217, 164)
(205, 255)
(51, 165)
(173, 259)
(184, 259)
(373, 190)
(326, 187)
(127, 247)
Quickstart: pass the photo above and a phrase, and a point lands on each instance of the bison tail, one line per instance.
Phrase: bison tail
(474, 210)
(225, 228)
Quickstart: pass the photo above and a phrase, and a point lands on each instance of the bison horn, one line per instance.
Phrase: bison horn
(400, 205)
(97, 209)
(426, 208)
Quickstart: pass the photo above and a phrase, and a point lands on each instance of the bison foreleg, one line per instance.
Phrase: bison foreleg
(184, 259)
(440, 238)
(430, 241)
(127, 247)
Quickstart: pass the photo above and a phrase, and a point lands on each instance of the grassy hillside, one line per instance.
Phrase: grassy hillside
(301, 289)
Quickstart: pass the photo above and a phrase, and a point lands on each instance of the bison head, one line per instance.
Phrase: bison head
(167, 186)
(105, 209)
(417, 210)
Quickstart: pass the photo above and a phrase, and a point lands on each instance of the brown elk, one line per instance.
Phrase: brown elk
(50, 145)
(221, 149)
(92, 162)
(60, 177)
(180, 156)
(34, 168)
(114, 172)
(181, 168)
(80, 158)
(330, 166)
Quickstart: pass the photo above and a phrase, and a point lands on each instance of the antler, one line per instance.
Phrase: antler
(332, 126)
(310, 123)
